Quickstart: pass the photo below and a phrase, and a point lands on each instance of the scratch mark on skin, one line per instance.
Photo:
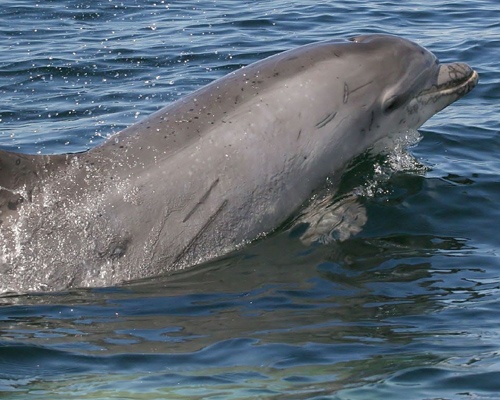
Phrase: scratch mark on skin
(360, 87)
(201, 201)
(200, 232)
(456, 73)
(348, 92)
(371, 121)
(329, 118)
(298, 136)
(8, 190)
(156, 237)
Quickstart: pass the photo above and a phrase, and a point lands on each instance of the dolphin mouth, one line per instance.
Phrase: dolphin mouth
(456, 79)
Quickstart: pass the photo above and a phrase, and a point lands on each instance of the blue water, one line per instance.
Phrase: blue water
(407, 309)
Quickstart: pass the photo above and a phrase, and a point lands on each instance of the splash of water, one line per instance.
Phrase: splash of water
(396, 158)
(332, 217)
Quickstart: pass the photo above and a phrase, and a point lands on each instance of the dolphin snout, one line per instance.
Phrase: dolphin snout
(454, 74)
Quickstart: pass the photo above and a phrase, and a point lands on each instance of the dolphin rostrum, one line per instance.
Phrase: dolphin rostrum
(215, 169)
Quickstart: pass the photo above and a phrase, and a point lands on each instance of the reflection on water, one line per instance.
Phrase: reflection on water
(276, 317)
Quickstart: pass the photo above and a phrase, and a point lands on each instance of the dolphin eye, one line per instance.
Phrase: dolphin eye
(391, 104)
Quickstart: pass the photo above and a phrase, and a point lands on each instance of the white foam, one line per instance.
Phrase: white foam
(397, 158)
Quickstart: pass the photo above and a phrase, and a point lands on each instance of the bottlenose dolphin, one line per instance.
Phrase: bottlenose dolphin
(217, 168)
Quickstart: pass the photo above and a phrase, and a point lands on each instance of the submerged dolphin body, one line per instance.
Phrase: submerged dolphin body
(215, 169)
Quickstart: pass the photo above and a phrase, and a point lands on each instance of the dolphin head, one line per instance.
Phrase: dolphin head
(411, 84)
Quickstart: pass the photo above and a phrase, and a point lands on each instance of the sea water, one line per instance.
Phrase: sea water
(407, 308)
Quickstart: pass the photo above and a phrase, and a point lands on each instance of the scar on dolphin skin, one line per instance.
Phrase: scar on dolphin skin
(200, 232)
(371, 121)
(202, 200)
(348, 92)
(325, 121)
(455, 72)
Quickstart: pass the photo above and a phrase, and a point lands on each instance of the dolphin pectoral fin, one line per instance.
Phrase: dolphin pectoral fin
(328, 222)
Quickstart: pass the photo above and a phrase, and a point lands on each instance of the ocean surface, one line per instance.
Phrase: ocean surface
(407, 309)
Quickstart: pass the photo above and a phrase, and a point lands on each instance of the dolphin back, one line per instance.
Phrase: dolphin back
(19, 174)
(16, 170)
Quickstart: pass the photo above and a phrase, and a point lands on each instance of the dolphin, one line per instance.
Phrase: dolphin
(215, 169)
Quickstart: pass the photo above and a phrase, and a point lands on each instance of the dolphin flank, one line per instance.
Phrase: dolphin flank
(215, 169)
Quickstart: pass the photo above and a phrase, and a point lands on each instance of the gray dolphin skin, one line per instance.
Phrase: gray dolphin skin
(216, 169)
